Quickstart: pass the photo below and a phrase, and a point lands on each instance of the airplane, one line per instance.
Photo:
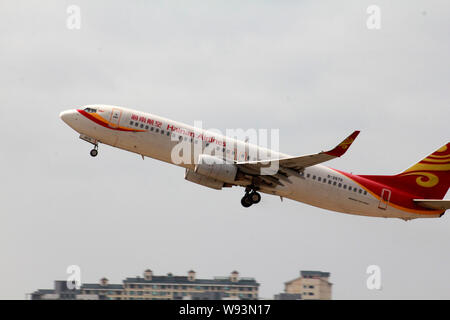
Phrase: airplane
(224, 162)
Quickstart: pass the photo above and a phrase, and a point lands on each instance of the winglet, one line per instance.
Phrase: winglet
(343, 146)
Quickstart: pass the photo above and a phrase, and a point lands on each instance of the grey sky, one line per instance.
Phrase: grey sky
(310, 68)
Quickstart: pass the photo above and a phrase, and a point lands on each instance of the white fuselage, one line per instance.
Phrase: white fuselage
(159, 143)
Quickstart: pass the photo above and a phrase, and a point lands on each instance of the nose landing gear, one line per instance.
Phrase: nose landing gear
(250, 197)
(94, 152)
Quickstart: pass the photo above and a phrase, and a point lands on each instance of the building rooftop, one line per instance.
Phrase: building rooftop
(92, 286)
(185, 280)
(309, 273)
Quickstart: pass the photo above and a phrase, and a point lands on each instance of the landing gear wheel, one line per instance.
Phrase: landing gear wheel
(255, 197)
(246, 201)
(251, 196)
(94, 152)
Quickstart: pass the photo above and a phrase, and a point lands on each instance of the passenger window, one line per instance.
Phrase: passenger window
(142, 125)
(334, 183)
(307, 175)
(131, 123)
(314, 177)
(151, 128)
(162, 131)
(146, 127)
(340, 185)
(168, 133)
(324, 180)
(156, 130)
(136, 124)
(360, 191)
(365, 192)
(345, 186)
(329, 181)
(319, 179)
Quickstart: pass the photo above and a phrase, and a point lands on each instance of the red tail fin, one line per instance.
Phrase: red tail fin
(428, 179)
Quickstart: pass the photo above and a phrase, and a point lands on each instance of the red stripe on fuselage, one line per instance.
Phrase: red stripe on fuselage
(400, 198)
(105, 124)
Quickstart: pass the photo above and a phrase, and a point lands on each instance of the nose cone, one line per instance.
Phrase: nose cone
(68, 116)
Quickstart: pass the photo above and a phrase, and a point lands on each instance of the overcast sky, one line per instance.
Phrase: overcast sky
(309, 68)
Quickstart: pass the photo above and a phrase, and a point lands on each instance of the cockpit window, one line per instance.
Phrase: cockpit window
(90, 110)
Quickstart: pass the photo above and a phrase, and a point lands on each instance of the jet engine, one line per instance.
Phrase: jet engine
(216, 168)
(212, 172)
(191, 176)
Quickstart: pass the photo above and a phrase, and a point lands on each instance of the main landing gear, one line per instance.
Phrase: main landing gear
(250, 197)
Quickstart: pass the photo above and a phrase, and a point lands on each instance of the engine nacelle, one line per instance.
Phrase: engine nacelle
(190, 175)
(216, 168)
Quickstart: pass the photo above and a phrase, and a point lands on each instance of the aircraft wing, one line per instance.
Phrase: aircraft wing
(433, 204)
(273, 171)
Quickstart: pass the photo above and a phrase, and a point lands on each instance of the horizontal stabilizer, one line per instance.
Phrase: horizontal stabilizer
(433, 204)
